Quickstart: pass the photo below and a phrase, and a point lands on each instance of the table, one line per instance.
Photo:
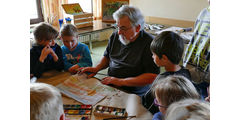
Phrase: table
(98, 26)
(120, 99)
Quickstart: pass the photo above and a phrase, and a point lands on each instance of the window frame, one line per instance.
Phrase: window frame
(39, 12)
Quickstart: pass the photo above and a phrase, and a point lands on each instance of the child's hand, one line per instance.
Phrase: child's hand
(45, 51)
(208, 97)
(55, 57)
(73, 69)
(52, 52)
(92, 70)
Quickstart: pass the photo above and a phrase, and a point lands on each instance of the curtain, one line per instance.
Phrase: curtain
(52, 11)
(97, 9)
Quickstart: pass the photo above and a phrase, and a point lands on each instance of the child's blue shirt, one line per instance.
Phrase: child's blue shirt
(80, 56)
(157, 116)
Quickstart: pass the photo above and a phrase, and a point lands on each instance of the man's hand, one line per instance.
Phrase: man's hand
(112, 80)
(92, 70)
(45, 51)
(73, 69)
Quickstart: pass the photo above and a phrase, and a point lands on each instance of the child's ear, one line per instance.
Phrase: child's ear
(62, 117)
(164, 57)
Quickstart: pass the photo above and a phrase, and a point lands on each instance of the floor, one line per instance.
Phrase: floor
(97, 54)
(98, 50)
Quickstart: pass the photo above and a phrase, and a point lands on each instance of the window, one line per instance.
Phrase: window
(36, 15)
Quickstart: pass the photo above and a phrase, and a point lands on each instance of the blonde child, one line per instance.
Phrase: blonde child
(188, 109)
(171, 89)
(45, 102)
(75, 55)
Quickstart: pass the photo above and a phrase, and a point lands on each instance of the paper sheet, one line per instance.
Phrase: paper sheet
(78, 88)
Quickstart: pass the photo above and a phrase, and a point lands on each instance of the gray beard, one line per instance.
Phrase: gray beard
(123, 40)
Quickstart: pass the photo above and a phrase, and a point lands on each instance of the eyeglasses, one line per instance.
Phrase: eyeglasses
(125, 29)
(158, 105)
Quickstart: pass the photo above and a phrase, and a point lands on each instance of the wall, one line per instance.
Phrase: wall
(184, 10)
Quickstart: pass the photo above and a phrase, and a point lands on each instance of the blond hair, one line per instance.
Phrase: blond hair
(45, 102)
(173, 88)
(188, 109)
(68, 30)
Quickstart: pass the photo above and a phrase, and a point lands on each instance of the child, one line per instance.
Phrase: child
(167, 49)
(190, 109)
(45, 102)
(45, 54)
(75, 55)
(171, 89)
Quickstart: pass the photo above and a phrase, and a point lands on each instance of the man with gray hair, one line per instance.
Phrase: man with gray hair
(128, 55)
(45, 102)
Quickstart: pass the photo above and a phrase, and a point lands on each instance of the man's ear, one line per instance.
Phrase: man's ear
(138, 27)
(62, 117)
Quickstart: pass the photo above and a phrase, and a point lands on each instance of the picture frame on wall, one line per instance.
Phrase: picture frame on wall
(109, 7)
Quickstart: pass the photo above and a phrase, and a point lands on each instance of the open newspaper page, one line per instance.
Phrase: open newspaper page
(87, 91)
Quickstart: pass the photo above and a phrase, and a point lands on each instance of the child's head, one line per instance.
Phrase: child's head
(171, 89)
(45, 102)
(69, 35)
(167, 47)
(188, 109)
(45, 34)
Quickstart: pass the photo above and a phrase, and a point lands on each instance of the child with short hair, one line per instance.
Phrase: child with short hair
(170, 89)
(167, 49)
(45, 102)
(190, 109)
(75, 55)
(45, 54)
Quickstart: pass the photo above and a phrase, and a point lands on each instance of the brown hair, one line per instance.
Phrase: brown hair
(174, 88)
(170, 44)
(44, 31)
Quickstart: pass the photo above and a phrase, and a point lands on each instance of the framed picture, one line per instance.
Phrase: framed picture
(74, 8)
(109, 7)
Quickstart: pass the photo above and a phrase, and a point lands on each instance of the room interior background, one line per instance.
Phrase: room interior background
(174, 12)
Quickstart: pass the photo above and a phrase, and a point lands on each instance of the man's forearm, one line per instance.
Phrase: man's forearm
(141, 80)
(103, 63)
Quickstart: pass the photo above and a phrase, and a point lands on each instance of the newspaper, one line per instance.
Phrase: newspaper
(87, 91)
